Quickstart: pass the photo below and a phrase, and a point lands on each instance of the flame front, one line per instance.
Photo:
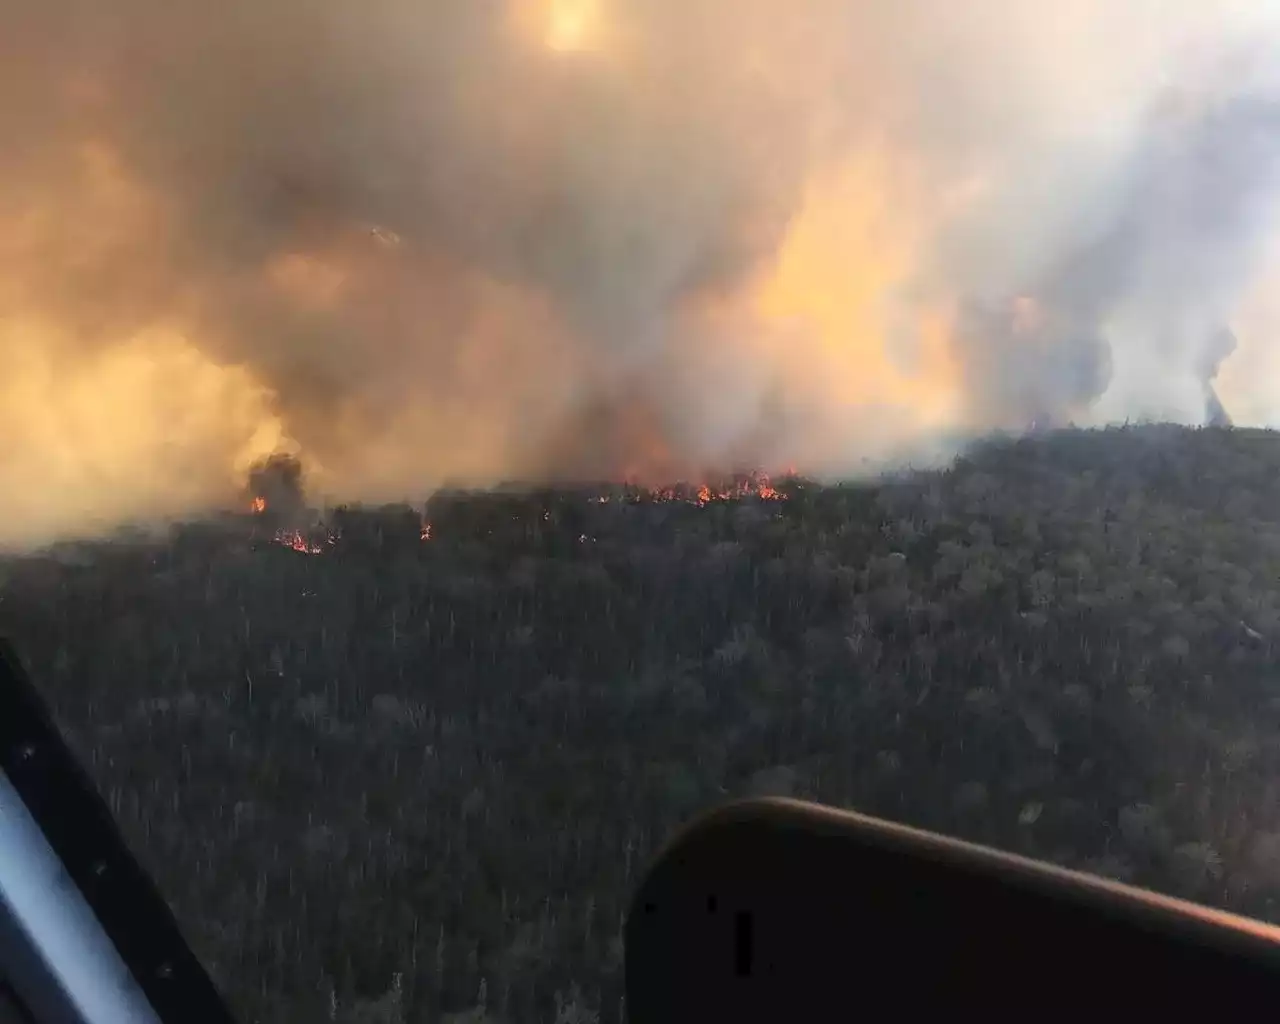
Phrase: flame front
(756, 486)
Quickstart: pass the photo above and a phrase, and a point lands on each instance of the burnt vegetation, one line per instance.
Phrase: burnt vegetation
(415, 778)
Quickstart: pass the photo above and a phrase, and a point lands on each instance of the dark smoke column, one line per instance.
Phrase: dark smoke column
(275, 491)
(1029, 367)
(1219, 347)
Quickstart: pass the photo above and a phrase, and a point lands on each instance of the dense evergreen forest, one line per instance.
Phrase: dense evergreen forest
(409, 767)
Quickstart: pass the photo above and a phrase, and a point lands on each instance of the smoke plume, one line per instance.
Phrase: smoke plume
(469, 240)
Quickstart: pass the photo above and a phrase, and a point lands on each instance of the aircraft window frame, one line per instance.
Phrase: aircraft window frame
(101, 879)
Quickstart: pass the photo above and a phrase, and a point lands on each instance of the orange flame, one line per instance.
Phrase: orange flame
(756, 485)
(295, 540)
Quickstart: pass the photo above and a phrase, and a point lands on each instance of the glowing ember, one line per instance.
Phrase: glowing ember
(295, 540)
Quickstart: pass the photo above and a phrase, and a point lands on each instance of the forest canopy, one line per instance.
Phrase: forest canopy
(412, 765)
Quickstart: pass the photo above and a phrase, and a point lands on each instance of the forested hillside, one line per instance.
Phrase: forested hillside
(414, 768)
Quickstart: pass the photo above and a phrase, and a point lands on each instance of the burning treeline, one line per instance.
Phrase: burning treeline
(280, 514)
(476, 240)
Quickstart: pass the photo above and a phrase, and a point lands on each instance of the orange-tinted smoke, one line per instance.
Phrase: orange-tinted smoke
(462, 241)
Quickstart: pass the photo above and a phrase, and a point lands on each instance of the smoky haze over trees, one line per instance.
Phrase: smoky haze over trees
(421, 776)
(477, 240)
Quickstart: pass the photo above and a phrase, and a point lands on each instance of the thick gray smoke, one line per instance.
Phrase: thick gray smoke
(1161, 279)
(473, 239)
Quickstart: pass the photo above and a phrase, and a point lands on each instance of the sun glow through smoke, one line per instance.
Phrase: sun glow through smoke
(570, 24)
(559, 26)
